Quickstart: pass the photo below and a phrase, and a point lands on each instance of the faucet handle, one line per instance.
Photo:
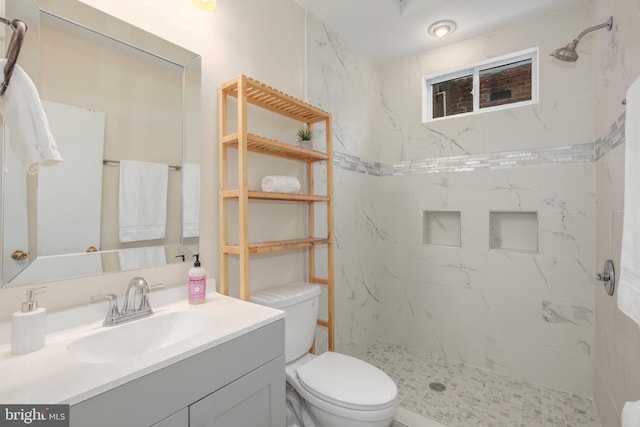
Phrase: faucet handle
(112, 311)
(145, 306)
(156, 286)
(144, 290)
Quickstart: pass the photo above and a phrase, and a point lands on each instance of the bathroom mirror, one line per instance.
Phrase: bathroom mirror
(112, 93)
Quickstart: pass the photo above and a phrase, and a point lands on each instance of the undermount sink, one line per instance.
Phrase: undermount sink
(138, 337)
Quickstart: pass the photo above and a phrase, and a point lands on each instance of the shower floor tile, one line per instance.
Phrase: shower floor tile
(476, 397)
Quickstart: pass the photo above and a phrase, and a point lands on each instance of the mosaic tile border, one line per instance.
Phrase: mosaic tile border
(582, 153)
(614, 138)
(356, 164)
(579, 153)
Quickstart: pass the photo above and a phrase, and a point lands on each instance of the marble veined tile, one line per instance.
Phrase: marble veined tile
(568, 327)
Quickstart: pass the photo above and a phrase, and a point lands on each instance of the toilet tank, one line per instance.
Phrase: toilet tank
(300, 302)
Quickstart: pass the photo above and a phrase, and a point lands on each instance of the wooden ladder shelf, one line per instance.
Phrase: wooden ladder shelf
(249, 91)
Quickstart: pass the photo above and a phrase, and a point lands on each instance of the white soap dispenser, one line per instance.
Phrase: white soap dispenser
(29, 325)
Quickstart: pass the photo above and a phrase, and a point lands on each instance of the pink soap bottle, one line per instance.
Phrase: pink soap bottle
(197, 283)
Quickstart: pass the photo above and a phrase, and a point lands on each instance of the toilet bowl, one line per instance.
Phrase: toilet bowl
(331, 389)
(340, 390)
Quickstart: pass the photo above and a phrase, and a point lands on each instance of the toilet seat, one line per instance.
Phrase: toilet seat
(347, 382)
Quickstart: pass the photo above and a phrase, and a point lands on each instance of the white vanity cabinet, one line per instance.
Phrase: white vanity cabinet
(247, 401)
(238, 383)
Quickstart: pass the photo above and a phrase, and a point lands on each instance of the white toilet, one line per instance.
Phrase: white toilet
(331, 389)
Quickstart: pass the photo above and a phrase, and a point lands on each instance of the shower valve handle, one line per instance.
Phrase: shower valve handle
(608, 276)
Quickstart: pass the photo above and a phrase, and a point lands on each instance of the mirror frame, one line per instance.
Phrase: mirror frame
(81, 15)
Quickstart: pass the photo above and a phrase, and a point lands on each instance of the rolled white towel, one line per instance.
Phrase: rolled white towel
(631, 414)
(280, 184)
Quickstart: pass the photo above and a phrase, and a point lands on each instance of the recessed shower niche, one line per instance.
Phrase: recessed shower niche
(441, 228)
(514, 231)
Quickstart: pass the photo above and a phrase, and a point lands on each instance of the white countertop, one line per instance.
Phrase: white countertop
(53, 375)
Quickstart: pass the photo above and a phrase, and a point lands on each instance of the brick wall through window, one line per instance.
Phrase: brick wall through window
(499, 83)
(510, 83)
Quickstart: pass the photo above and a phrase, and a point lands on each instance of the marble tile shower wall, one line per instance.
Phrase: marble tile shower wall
(529, 315)
(342, 80)
(617, 59)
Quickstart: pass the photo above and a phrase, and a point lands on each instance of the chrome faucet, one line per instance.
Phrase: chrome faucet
(137, 291)
(135, 305)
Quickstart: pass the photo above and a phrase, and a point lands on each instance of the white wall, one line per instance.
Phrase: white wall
(616, 66)
(241, 36)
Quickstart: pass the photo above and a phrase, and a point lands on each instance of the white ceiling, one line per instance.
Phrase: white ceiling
(388, 29)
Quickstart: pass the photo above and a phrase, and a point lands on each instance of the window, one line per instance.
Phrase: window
(504, 82)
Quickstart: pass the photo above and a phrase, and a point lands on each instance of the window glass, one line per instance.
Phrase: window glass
(503, 82)
(452, 97)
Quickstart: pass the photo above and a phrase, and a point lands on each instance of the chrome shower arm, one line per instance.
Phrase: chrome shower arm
(606, 25)
(569, 53)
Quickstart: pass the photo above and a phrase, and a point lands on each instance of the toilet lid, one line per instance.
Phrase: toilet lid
(348, 382)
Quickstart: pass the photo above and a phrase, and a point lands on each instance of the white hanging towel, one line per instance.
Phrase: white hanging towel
(190, 200)
(631, 414)
(137, 258)
(629, 285)
(280, 184)
(142, 205)
(29, 135)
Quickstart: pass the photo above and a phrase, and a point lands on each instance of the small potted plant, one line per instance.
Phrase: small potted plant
(304, 136)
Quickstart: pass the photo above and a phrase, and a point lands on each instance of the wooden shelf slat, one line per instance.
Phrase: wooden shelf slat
(278, 245)
(263, 195)
(260, 144)
(274, 100)
(322, 322)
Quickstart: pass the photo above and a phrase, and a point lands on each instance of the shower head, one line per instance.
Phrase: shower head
(569, 53)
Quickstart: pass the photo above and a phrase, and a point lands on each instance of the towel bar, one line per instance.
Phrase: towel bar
(117, 162)
(19, 30)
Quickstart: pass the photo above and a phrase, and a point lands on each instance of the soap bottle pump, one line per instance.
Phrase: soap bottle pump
(197, 282)
(29, 325)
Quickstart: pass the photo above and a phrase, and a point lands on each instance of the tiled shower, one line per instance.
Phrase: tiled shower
(471, 238)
